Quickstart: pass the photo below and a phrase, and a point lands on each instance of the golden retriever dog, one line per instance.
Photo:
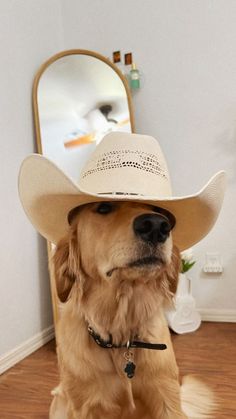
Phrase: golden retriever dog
(116, 271)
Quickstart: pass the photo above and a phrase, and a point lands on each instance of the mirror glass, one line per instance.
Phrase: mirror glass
(79, 97)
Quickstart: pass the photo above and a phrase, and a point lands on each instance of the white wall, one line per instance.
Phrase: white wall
(30, 33)
(186, 51)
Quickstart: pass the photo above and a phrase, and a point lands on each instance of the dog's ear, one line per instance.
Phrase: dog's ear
(66, 265)
(173, 270)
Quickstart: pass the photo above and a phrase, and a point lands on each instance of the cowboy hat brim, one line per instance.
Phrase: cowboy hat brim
(48, 196)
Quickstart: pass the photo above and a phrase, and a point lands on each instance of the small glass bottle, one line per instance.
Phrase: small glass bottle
(134, 77)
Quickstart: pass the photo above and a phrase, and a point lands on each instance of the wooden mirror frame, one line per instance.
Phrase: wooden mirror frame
(55, 300)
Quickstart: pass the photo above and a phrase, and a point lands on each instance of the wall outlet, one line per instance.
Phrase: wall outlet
(213, 263)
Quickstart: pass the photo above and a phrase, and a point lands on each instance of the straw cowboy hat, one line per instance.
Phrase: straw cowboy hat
(123, 167)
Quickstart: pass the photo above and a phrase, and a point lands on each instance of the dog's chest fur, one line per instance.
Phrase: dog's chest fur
(124, 309)
(83, 361)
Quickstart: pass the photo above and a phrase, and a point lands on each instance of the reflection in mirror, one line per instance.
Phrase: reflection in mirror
(79, 98)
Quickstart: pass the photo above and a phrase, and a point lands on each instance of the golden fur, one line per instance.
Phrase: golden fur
(101, 288)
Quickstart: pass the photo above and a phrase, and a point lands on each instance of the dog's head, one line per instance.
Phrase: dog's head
(110, 240)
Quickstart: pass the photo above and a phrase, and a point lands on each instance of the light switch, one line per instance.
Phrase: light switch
(213, 263)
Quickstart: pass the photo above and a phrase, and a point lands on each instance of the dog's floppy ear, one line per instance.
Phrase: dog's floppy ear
(66, 265)
(173, 270)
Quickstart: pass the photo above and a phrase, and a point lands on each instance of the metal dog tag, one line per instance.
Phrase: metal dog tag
(130, 365)
(130, 369)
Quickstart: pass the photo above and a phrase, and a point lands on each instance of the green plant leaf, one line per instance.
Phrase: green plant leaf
(186, 266)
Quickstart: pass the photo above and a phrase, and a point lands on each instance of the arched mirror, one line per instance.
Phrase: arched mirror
(78, 97)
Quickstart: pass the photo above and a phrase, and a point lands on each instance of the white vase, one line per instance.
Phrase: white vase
(184, 317)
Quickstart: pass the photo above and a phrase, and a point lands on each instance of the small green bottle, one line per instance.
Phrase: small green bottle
(134, 77)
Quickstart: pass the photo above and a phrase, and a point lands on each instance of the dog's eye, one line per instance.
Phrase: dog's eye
(104, 208)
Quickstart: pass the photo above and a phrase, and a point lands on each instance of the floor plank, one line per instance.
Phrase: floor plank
(209, 353)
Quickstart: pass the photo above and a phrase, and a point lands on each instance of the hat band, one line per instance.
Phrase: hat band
(120, 193)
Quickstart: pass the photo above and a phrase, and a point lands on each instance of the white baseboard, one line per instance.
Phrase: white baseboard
(26, 348)
(212, 315)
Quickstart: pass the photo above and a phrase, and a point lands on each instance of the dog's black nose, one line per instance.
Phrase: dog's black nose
(152, 228)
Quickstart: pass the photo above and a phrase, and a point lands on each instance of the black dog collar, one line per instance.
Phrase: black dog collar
(108, 344)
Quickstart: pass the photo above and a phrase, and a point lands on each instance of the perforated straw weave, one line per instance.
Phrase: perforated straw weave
(127, 158)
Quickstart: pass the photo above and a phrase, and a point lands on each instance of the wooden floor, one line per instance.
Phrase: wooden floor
(210, 353)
